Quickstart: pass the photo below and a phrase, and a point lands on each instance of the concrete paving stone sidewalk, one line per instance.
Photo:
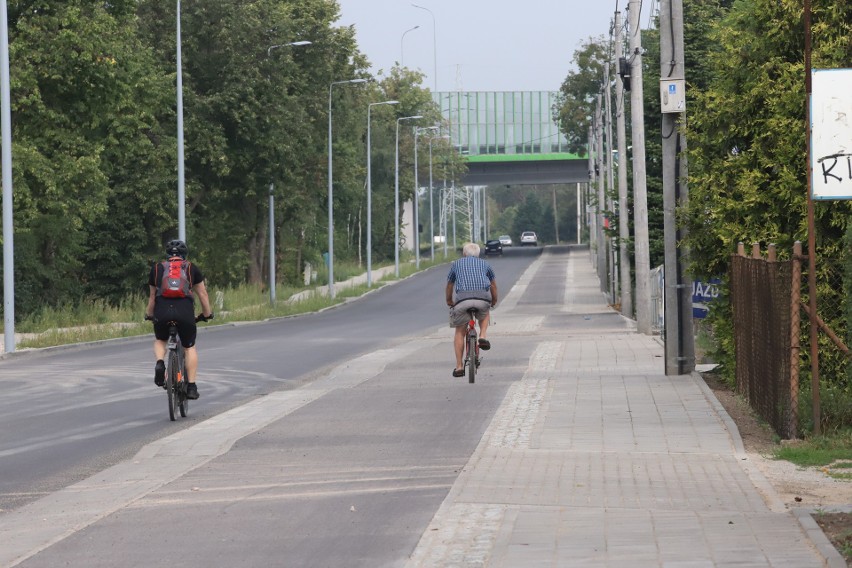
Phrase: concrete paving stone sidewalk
(596, 458)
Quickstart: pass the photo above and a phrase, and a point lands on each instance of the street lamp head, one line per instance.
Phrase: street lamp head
(291, 44)
(434, 43)
(371, 105)
(347, 82)
(402, 44)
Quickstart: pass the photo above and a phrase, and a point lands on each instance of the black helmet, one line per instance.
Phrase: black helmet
(176, 248)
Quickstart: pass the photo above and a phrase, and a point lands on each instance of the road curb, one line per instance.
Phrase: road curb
(813, 531)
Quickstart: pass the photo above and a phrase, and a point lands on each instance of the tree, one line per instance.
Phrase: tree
(574, 108)
(405, 86)
(747, 133)
(83, 135)
(747, 137)
(256, 117)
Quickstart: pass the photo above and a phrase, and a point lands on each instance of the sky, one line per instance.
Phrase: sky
(481, 45)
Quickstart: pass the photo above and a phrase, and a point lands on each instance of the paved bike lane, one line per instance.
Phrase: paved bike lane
(594, 458)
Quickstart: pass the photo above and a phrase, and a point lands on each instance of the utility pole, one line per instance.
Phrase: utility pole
(484, 214)
(679, 340)
(555, 214)
(579, 214)
(640, 192)
(623, 221)
(599, 169)
(593, 231)
(613, 274)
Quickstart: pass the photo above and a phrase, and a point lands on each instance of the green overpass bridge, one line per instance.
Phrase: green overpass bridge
(510, 138)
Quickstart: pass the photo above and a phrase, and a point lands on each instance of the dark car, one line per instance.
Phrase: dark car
(492, 247)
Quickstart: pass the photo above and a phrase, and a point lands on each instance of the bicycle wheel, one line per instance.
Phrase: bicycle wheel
(183, 402)
(171, 384)
(184, 405)
(471, 355)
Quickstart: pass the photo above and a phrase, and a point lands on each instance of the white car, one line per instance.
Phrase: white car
(529, 238)
(505, 240)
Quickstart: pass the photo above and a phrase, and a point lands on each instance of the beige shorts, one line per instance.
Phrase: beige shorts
(459, 315)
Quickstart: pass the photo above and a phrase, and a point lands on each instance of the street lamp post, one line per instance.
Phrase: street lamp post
(396, 195)
(331, 191)
(402, 45)
(181, 191)
(444, 205)
(415, 199)
(6, 151)
(271, 244)
(272, 197)
(453, 198)
(431, 210)
(417, 131)
(370, 195)
(434, 47)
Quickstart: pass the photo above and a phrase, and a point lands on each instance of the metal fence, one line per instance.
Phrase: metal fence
(771, 321)
(762, 293)
(828, 409)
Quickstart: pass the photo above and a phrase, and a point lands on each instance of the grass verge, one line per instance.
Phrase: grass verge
(96, 320)
(831, 453)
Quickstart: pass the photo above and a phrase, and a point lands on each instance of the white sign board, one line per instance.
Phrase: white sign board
(831, 133)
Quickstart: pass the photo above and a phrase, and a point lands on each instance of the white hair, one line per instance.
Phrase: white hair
(470, 249)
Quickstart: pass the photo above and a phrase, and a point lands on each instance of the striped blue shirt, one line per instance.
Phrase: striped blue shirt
(470, 273)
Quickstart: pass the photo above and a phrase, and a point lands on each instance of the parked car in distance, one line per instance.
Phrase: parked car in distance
(492, 247)
(505, 240)
(528, 238)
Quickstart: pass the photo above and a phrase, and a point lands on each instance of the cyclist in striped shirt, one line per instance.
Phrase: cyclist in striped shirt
(471, 283)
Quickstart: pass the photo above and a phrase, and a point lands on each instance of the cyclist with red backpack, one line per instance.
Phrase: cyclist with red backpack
(173, 285)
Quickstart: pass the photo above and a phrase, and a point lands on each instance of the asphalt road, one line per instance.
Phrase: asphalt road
(67, 414)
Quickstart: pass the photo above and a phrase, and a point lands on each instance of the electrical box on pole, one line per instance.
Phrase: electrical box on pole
(673, 95)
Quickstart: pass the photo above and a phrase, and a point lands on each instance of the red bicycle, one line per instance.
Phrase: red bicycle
(471, 347)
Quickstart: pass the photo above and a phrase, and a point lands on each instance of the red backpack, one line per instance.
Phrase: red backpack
(177, 279)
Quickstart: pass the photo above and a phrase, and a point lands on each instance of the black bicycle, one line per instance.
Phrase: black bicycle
(176, 377)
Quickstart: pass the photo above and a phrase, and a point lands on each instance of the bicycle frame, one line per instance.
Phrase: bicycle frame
(176, 379)
(471, 360)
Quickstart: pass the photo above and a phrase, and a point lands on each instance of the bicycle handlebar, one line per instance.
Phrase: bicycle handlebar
(198, 318)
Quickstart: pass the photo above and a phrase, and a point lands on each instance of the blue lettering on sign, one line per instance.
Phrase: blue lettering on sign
(702, 294)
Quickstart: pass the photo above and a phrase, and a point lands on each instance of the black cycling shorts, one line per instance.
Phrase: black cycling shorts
(179, 310)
